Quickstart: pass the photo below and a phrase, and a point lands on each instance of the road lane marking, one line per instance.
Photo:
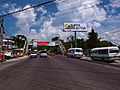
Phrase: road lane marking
(112, 67)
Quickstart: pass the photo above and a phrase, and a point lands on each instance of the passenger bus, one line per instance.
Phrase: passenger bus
(105, 53)
(19, 52)
(75, 52)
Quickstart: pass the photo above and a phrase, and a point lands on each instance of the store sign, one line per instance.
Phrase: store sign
(71, 27)
(8, 37)
(13, 46)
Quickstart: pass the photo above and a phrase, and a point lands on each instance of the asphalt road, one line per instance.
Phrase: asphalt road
(58, 73)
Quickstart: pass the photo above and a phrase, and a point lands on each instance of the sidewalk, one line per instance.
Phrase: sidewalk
(16, 59)
(88, 58)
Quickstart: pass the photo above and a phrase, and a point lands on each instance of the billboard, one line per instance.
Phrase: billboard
(44, 44)
(72, 27)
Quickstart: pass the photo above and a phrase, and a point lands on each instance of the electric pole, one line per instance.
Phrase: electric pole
(1, 34)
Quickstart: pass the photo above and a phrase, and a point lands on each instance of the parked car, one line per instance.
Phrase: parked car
(75, 52)
(33, 55)
(9, 54)
(43, 54)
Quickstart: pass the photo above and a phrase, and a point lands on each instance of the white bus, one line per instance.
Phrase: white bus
(105, 53)
(75, 52)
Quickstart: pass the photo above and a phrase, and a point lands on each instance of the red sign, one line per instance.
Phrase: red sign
(42, 43)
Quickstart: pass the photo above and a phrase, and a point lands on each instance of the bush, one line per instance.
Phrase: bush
(3, 60)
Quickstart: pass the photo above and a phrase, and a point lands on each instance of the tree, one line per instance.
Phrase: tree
(19, 40)
(93, 40)
(55, 38)
(105, 44)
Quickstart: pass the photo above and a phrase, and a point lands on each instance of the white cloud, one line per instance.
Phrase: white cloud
(96, 24)
(24, 19)
(115, 3)
(6, 5)
(82, 11)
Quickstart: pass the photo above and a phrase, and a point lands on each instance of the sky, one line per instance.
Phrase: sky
(45, 22)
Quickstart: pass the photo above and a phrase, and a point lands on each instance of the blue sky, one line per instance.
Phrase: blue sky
(45, 22)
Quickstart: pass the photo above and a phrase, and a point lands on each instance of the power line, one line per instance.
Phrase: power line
(58, 16)
(26, 9)
(32, 7)
(51, 5)
(73, 11)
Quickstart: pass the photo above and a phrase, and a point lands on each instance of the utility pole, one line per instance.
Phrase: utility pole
(1, 34)
(75, 40)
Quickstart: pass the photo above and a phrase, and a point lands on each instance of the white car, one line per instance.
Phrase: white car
(43, 54)
(33, 54)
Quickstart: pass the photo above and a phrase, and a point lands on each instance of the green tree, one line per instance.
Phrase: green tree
(19, 40)
(55, 38)
(93, 40)
(105, 44)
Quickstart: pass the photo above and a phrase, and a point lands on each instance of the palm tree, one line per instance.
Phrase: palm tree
(19, 40)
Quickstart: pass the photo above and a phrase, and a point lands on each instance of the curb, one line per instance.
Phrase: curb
(17, 59)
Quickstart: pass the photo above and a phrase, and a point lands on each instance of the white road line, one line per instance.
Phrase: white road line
(112, 67)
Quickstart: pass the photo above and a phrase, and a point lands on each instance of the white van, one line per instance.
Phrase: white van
(105, 53)
(75, 52)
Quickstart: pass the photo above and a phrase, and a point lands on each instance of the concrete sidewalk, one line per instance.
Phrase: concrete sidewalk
(87, 58)
(17, 59)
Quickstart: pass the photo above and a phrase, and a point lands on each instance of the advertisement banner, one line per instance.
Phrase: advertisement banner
(72, 27)
(44, 44)
(52, 44)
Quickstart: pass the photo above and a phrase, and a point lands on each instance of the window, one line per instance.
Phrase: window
(78, 50)
(71, 51)
(104, 51)
(114, 51)
(94, 52)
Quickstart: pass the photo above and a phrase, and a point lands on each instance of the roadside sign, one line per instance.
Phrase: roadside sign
(74, 27)
(44, 44)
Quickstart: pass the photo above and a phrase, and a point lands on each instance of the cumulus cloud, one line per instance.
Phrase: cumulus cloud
(115, 3)
(6, 5)
(96, 24)
(78, 11)
(24, 19)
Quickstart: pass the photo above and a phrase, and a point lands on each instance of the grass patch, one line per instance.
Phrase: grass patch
(3, 60)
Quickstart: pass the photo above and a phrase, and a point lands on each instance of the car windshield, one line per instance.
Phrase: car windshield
(43, 52)
(114, 51)
(78, 50)
(33, 53)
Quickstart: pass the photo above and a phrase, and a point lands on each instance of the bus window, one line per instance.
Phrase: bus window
(78, 50)
(94, 52)
(104, 51)
(114, 51)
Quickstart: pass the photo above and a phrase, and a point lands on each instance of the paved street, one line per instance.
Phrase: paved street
(58, 72)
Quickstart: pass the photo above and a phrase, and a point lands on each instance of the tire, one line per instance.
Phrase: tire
(68, 56)
(92, 58)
